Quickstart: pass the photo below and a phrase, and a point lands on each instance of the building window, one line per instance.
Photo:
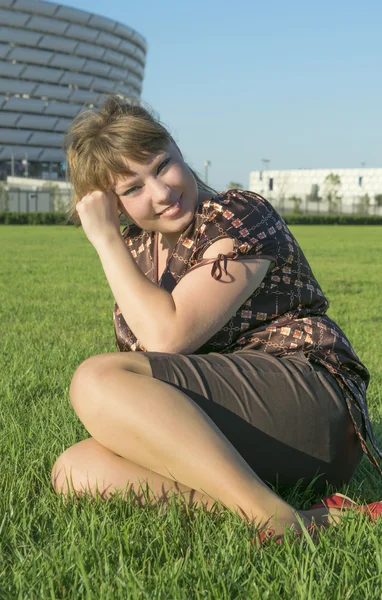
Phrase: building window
(314, 192)
(270, 184)
(360, 181)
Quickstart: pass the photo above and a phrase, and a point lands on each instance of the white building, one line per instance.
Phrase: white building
(309, 190)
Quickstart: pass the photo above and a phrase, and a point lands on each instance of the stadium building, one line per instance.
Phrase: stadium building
(54, 62)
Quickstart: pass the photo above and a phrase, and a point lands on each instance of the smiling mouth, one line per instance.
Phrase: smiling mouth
(171, 208)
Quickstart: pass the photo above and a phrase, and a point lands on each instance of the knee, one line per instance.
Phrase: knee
(70, 468)
(91, 373)
(62, 473)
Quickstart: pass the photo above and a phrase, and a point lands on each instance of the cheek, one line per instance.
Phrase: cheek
(134, 208)
(182, 176)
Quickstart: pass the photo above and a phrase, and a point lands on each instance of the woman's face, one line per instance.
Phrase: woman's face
(164, 182)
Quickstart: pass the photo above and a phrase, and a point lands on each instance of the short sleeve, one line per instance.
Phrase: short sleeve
(251, 221)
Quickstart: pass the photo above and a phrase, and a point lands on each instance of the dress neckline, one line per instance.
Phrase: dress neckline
(198, 210)
(156, 261)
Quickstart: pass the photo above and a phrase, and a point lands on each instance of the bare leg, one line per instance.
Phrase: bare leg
(152, 424)
(89, 467)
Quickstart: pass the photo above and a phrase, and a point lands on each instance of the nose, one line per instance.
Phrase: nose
(160, 192)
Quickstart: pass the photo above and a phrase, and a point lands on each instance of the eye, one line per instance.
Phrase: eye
(163, 165)
(130, 191)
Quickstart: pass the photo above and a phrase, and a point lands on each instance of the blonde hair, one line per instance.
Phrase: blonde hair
(100, 140)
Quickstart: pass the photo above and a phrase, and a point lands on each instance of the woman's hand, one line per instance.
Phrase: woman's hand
(98, 212)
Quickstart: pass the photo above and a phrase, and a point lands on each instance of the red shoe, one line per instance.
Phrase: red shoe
(267, 535)
(373, 511)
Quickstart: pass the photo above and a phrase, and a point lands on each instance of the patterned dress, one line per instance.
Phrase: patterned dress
(284, 315)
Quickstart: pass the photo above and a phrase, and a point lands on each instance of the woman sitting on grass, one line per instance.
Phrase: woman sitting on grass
(230, 375)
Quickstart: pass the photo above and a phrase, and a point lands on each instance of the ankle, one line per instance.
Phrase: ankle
(293, 521)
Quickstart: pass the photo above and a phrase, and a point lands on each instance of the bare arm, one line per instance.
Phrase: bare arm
(198, 307)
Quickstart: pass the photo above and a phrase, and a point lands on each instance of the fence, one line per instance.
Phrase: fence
(26, 201)
(56, 200)
(352, 206)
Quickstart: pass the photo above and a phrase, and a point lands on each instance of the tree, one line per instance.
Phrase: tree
(234, 185)
(332, 185)
(378, 199)
(364, 204)
(296, 204)
(3, 198)
(314, 196)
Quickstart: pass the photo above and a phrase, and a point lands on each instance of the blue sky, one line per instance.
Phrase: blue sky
(299, 83)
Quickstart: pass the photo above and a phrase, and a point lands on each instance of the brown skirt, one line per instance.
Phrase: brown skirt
(286, 417)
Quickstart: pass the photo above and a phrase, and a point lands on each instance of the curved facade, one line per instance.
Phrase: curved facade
(54, 61)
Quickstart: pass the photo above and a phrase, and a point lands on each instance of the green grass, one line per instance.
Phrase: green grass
(55, 311)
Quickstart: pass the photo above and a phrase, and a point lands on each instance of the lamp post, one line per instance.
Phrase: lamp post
(266, 162)
(24, 162)
(207, 163)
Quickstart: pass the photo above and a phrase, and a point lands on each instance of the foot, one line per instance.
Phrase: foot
(278, 526)
(332, 508)
(324, 516)
(275, 531)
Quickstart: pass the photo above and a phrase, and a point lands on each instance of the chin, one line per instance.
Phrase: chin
(176, 228)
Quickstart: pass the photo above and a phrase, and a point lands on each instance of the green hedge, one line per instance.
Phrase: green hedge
(36, 218)
(296, 219)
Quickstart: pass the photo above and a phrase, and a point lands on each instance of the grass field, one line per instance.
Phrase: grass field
(55, 311)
